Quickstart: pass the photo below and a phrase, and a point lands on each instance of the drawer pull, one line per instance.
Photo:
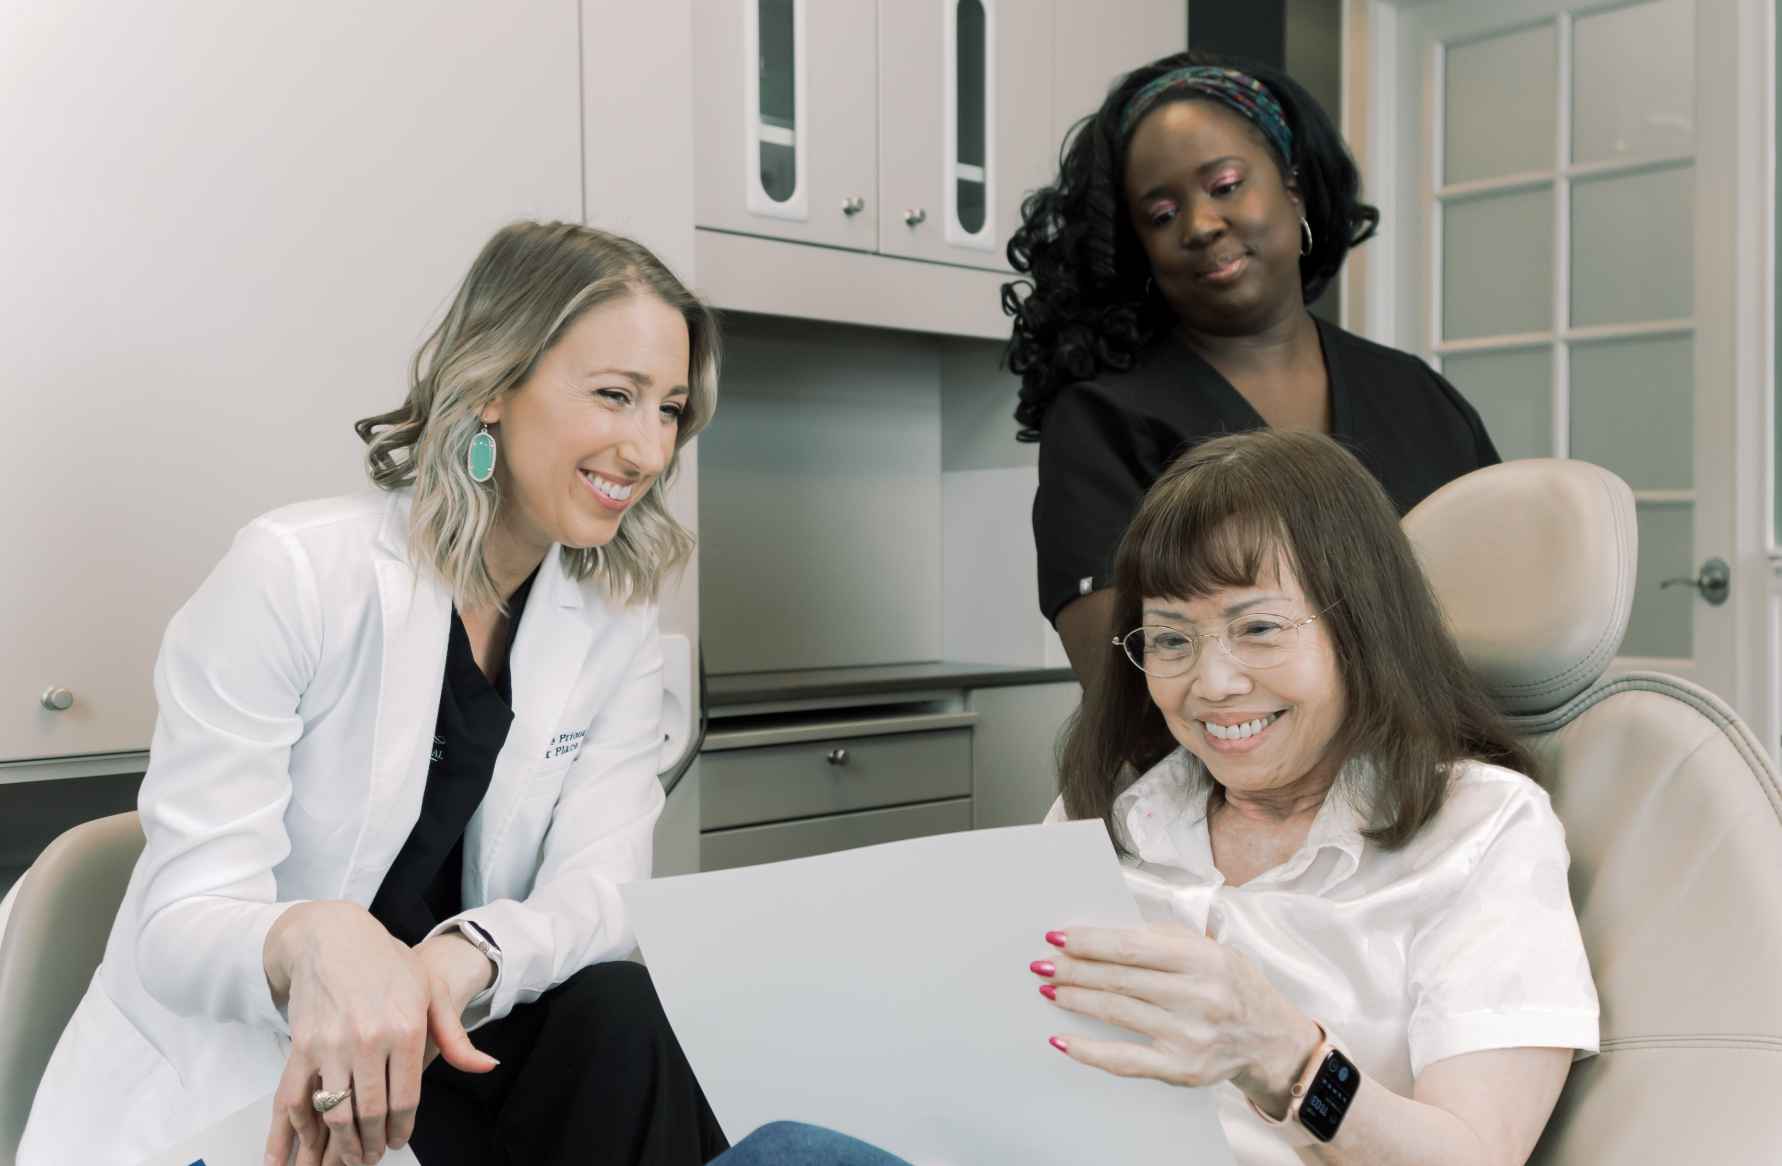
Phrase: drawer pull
(838, 757)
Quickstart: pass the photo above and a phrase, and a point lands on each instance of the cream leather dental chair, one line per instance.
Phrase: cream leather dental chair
(51, 942)
(1672, 809)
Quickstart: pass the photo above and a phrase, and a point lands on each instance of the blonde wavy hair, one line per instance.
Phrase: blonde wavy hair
(531, 282)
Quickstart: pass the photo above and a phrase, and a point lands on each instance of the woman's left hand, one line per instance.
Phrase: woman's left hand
(1210, 1014)
(457, 972)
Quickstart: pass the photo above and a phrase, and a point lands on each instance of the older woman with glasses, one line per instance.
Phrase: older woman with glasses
(1360, 929)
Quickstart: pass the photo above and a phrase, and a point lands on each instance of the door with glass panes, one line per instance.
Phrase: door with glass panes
(1565, 262)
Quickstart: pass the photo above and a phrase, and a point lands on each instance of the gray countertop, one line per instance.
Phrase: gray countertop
(739, 688)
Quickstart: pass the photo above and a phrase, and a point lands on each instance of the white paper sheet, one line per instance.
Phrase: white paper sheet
(885, 992)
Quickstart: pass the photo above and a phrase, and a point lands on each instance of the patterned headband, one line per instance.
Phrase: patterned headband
(1235, 90)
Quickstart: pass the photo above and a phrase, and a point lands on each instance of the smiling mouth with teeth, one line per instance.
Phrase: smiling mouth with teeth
(1241, 731)
(608, 489)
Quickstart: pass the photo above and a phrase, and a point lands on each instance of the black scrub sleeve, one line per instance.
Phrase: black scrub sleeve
(1094, 467)
(1485, 451)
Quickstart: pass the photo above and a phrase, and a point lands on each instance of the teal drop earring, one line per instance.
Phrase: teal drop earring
(481, 460)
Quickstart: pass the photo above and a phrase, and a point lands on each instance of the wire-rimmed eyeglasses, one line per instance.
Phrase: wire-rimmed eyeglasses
(1255, 640)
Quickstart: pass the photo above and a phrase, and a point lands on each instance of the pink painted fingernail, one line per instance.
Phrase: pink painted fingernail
(1055, 938)
(1048, 992)
(1060, 1044)
(1042, 968)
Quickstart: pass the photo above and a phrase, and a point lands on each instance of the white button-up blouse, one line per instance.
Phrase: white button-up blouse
(1462, 940)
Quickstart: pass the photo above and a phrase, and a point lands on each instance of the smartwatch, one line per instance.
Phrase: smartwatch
(480, 939)
(1320, 1098)
(1327, 1098)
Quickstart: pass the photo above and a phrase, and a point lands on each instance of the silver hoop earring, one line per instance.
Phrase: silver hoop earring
(1150, 286)
(480, 461)
(1305, 229)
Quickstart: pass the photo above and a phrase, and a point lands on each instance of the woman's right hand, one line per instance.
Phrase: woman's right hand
(358, 1002)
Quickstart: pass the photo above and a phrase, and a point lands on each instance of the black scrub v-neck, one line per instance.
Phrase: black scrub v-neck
(1104, 442)
(1234, 404)
(424, 886)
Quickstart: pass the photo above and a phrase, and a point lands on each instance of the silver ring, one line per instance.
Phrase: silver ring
(323, 1100)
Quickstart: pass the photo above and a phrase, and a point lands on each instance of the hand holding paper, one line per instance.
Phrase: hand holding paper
(886, 992)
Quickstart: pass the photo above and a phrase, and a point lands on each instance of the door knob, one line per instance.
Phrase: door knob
(57, 700)
(838, 757)
(1714, 583)
(853, 205)
(916, 217)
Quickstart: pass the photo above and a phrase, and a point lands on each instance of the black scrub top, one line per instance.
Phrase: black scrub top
(424, 886)
(1103, 442)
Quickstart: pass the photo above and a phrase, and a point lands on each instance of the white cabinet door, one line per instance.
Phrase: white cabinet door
(227, 227)
(965, 124)
(784, 126)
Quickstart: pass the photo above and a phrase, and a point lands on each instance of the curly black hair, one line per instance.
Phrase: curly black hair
(1088, 306)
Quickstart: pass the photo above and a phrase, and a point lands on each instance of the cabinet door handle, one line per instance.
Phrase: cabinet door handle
(57, 700)
(838, 757)
(916, 217)
(853, 206)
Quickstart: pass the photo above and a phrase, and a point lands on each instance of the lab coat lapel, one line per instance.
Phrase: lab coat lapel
(547, 655)
(417, 608)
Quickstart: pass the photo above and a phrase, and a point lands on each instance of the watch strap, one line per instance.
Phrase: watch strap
(478, 937)
(1307, 1075)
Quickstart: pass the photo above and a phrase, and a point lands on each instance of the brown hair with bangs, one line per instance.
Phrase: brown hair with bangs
(1227, 514)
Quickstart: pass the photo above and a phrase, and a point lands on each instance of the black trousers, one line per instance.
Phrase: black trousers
(590, 1075)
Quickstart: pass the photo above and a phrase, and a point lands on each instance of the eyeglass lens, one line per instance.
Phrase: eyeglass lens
(1258, 641)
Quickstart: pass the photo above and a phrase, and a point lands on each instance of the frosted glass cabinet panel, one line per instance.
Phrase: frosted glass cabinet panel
(968, 94)
(1513, 392)
(1660, 624)
(776, 99)
(1497, 276)
(1633, 82)
(1633, 409)
(1632, 248)
(1498, 107)
(783, 127)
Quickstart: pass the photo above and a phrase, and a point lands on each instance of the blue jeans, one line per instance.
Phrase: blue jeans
(791, 1143)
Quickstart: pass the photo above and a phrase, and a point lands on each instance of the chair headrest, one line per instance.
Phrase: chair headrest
(1533, 564)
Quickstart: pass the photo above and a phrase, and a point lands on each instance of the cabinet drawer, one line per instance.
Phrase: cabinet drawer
(722, 849)
(740, 787)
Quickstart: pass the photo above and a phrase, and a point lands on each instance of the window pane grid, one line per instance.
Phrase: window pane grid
(1506, 361)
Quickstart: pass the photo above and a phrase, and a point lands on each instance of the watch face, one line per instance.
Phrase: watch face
(1328, 1098)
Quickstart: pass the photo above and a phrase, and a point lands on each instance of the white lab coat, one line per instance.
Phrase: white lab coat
(298, 691)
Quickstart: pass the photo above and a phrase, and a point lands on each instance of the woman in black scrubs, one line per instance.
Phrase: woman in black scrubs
(1194, 217)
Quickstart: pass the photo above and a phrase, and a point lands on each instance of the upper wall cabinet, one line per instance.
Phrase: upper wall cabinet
(227, 228)
(886, 131)
(908, 127)
(784, 120)
(965, 124)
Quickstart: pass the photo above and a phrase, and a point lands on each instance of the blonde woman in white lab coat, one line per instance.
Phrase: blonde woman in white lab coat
(406, 754)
